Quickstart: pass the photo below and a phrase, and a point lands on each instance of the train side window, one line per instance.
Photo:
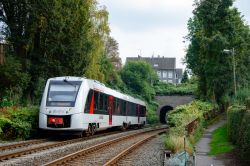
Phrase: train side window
(143, 111)
(133, 113)
(96, 96)
(123, 107)
(137, 110)
(105, 103)
(88, 101)
(128, 108)
(117, 108)
(101, 101)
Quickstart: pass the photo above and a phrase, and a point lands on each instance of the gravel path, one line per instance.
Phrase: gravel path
(149, 154)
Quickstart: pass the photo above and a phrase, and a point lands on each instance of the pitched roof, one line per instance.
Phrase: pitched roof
(156, 62)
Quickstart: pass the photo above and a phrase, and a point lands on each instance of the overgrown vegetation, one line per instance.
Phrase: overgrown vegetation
(50, 38)
(220, 142)
(182, 116)
(223, 27)
(162, 89)
(138, 79)
(18, 123)
(210, 33)
(239, 130)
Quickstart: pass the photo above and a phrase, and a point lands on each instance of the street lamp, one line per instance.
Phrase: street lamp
(227, 51)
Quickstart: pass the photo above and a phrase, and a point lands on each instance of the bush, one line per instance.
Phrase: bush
(152, 117)
(181, 117)
(234, 118)
(242, 96)
(184, 114)
(239, 129)
(19, 123)
(162, 88)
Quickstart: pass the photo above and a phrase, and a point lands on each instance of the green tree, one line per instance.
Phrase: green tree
(139, 78)
(214, 27)
(55, 37)
(184, 77)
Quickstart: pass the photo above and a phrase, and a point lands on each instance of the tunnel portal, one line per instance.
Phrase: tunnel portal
(163, 113)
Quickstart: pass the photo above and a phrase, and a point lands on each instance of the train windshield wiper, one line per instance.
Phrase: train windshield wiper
(70, 84)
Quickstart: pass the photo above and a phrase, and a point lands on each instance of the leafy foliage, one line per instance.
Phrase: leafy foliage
(163, 88)
(239, 129)
(18, 123)
(184, 77)
(180, 117)
(209, 34)
(139, 76)
(184, 114)
(51, 38)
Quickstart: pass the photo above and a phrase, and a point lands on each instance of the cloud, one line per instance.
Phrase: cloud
(153, 26)
(164, 42)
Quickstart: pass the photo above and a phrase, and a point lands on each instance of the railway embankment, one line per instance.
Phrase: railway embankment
(187, 123)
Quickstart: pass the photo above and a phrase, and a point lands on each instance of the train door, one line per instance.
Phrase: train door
(110, 108)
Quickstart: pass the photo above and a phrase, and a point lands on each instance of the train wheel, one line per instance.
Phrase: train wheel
(93, 129)
(87, 132)
(123, 127)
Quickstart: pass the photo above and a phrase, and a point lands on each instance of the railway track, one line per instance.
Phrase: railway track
(17, 153)
(21, 144)
(105, 153)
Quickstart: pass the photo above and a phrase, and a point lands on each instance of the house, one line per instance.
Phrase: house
(165, 68)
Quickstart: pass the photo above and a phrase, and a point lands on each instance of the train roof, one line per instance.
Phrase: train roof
(98, 86)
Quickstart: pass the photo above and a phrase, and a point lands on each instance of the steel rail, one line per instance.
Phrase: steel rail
(21, 144)
(7, 156)
(70, 157)
(118, 157)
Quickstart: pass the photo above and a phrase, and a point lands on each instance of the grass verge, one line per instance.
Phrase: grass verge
(220, 142)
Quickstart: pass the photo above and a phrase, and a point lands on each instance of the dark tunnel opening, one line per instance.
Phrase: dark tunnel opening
(163, 113)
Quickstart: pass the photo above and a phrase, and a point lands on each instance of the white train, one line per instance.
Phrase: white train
(84, 105)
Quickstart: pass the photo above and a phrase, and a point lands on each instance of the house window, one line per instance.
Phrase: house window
(159, 74)
(164, 74)
(156, 65)
(170, 74)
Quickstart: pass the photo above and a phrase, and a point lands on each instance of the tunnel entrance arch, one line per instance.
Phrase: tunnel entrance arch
(163, 113)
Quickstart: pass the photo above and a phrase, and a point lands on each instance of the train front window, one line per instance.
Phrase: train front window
(62, 93)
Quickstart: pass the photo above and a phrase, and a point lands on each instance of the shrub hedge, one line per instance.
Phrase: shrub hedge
(162, 88)
(239, 129)
(18, 123)
(194, 114)
(185, 114)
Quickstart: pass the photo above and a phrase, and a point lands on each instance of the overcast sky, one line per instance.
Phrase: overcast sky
(154, 27)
